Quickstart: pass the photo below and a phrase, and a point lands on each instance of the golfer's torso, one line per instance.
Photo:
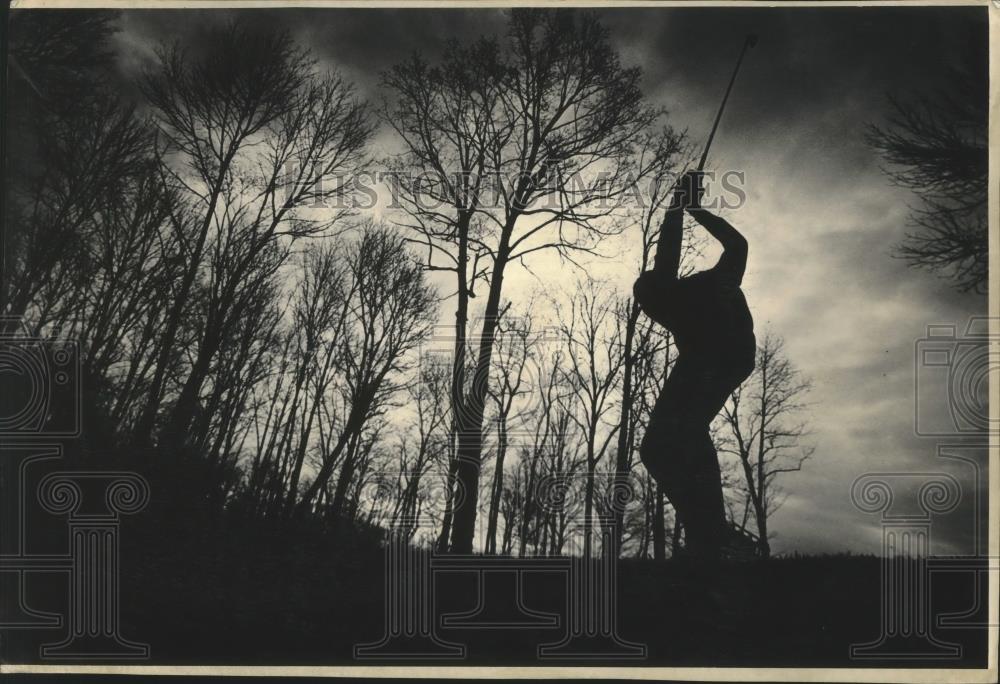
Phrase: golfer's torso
(705, 313)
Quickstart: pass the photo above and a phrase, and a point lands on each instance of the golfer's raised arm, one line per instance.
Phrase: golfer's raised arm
(733, 261)
(667, 261)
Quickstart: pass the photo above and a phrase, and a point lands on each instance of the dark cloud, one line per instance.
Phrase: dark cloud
(806, 58)
(360, 42)
(821, 216)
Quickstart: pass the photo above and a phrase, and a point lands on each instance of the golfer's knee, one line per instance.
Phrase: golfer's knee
(660, 434)
(659, 446)
(648, 453)
(652, 460)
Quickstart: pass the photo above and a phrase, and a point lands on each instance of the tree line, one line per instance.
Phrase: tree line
(290, 356)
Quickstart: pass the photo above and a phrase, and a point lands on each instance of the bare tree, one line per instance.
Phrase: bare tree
(936, 145)
(446, 117)
(514, 346)
(72, 143)
(88, 246)
(550, 457)
(511, 506)
(304, 360)
(428, 398)
(766, 434)
(388, 315)
(250, 133)
(646, 525)
(83, 161)
(319, 316)
(57, 58)
(569, 115)
(593, 333)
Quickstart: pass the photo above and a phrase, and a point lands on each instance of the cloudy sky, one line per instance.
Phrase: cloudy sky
(821, 217)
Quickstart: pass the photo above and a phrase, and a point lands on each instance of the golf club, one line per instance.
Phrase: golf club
(748, 43)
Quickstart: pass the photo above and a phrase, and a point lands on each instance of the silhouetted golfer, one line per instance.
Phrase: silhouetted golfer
(713, 330)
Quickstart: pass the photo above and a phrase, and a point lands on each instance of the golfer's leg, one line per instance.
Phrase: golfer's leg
(661, 450)
(659, 443)
(706, 501)
(707, 506)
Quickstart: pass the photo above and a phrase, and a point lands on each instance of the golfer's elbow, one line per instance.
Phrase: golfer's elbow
(736, 244)
(730, 238)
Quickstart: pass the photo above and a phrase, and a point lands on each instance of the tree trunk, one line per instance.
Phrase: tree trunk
(300, 454)
(622, 469)
(528, 509)
(457, 374)
(497, 490)
(508, 538)
(147, 418)
(446, 518)
(323, 476)
(659, 529)
(470, 438)
(344, 479)
(760, 502)
(675, 538)
(588, 508)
